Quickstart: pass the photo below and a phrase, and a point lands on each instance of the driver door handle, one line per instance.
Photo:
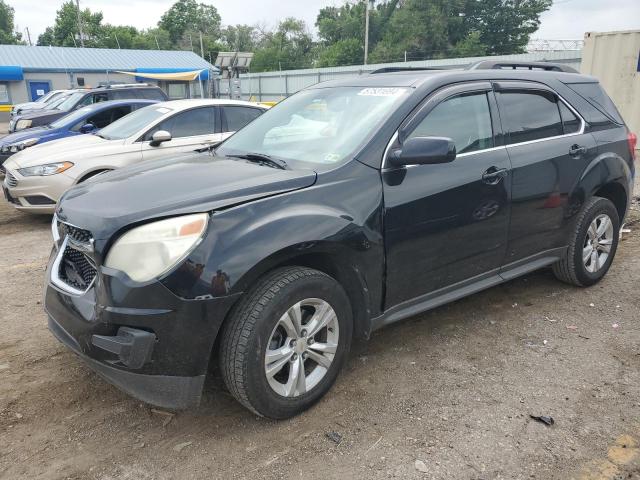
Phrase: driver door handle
(577, 150)
(493, 175)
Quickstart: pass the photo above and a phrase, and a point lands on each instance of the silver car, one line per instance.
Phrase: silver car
(37, 177)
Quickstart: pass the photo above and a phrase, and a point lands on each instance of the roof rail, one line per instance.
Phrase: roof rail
(402, 69)
(121, 85)
(515, 65)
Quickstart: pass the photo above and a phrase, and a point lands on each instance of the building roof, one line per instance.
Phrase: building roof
(36, 58)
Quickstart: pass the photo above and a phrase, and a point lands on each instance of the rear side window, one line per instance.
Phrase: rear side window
(530, 115)
(596, 96)
(197, 121)
(152, 94)
(124, 94)
(238, 117)
(465, 119)
(570, 122)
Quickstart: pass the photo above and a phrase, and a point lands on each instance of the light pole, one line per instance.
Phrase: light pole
(369, 4)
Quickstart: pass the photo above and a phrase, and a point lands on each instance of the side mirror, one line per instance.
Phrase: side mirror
(424, 151)
(159, 137)
(87, 127)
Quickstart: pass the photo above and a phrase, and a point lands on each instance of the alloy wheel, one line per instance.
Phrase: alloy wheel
(597, 244)
(301, 347)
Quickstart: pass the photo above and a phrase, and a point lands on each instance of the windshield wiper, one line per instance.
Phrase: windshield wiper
(262, 159)
(98, 134)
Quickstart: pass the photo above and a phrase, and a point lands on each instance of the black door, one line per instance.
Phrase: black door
(549, 151)
(446, 223)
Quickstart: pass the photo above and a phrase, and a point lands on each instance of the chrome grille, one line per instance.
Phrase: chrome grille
(77, 234)
(74, 270)
(11, 180)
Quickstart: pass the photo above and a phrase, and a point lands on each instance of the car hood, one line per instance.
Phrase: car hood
(70, 149)
(29, 105)
(155, 189)
(41, 113)
(19, 136)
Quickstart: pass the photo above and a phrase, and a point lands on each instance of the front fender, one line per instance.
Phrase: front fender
(333, 222)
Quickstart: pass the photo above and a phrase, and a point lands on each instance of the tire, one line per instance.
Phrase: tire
(264, 321)
(572, 268)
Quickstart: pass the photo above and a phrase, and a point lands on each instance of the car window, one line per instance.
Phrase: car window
(596, 96)
(124, 94)
(570, 122)
(466, 119)
(530, 115)
(197, 121)
(103, 118)
(238, 117)
(134, 123)
(152, 94)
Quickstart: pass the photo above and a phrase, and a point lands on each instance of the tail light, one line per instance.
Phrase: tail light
(632, 138)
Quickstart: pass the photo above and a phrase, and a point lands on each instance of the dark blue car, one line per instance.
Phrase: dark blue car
(84, 120)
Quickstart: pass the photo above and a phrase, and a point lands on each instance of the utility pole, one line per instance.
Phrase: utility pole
(157, 44)
(80, 24)
(368, 4)
(201, 46)
(117, 42)
(28, 35)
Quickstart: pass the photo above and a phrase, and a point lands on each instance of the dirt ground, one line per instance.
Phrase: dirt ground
(444, 395)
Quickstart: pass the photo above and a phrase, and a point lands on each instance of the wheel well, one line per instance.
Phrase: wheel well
(616, 194)
(348, 278)
(93, 174)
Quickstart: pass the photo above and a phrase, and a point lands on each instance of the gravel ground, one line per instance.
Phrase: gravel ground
(444, 395)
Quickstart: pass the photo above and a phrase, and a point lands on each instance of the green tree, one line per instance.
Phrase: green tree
(504, 26)
(65, 31)
(340, 27)
(344, 52)
(153, 39)
(8, 35)
(290, 46)
(420, 28)
(241, 38)
(470, 46)
(188, 15)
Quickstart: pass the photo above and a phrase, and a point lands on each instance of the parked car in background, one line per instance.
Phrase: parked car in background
(84, 120)
(83, 97)
(37, 177)
(269, 258)
(38, 104)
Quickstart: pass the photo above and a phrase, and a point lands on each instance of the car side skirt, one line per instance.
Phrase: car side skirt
(462, 289)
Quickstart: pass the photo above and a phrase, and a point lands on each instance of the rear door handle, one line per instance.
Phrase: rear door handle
(577, 150)
(493, 175)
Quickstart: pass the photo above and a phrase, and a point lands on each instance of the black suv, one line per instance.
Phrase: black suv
(83, 97)
(349, 206)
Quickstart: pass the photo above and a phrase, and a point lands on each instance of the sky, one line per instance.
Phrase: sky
(567, 19)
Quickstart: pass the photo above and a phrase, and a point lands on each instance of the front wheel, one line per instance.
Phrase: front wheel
(592, 246)
(286, 341)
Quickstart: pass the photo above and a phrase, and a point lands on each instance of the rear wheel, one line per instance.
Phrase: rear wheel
(286, 342)
(593, 244)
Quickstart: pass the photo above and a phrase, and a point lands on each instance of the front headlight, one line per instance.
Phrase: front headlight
(44, 170)
(22, 124)
(151, 250)
(18, 146)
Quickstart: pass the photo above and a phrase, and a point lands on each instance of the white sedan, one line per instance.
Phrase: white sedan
(37, 177)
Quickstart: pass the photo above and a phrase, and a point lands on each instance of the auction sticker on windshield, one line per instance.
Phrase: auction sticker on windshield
(381, 92)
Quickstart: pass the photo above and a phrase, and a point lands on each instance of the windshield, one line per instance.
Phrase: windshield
(321, 126)
(133, 123)
(54, 97)
(46, 97)
(54, 104)
(71, 101)
(72, 118)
